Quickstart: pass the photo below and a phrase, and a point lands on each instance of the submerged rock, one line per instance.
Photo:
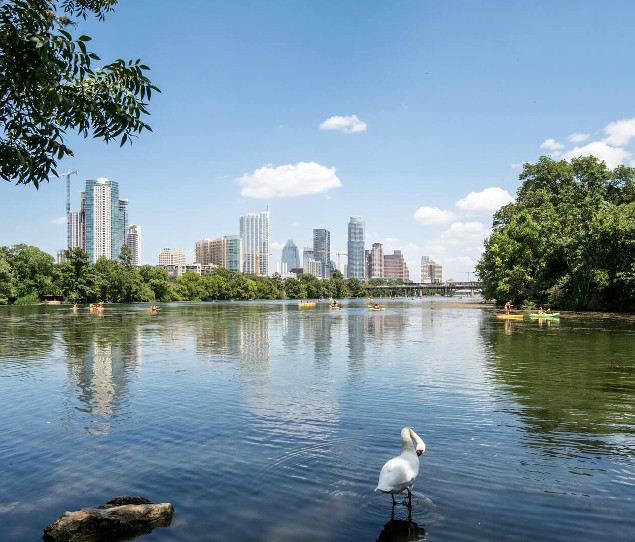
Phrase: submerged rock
(119, 519)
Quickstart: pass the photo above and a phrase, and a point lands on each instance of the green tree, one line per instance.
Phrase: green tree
(567, 241)
(293, 288)
(7, 289)
(156, 278)
(75, 276)
(355, 288)
(310, 285)
(48, 86)
(32, 271)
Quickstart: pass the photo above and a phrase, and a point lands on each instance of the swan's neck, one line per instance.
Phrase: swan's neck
(407, 436)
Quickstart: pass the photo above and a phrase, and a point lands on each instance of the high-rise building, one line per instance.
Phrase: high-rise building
(431, 272)
(101, 219)
(375, 261)
(395, 266)
(355, 251)
(171, 256)
(307, 256)
(322, 251)
(134, 243)
(221, 252)
(290, 255)
(74, 227)
(254, 232)
(123, 224)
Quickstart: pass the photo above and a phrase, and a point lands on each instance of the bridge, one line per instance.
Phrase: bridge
(418, 288)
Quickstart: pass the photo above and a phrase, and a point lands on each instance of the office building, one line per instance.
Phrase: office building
(74, 227)
(395, 266)
(322, 251)
(254, 233)
(356, 260)
(375, 262)
(431, 272)
(290, 256)
(101, 219)
(221, 252)
(123, 223)
(134, 244)
(171, 256)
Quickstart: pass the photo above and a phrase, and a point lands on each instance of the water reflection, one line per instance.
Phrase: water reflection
(564, 390)
(401, 530)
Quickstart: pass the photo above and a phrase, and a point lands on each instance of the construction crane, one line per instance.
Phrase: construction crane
(339, 253)
(68, 204)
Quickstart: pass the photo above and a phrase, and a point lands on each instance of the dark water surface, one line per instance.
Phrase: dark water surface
(263, 421)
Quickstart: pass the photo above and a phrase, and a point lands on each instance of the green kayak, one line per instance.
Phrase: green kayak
(546, 315)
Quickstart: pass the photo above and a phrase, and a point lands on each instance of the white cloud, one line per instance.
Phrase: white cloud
(277, 246)
(59, 221)
(613, 156)
(551, 144)
(433, 215)
(289, 180)
(349, 125)
(578, 138)
(517, 166)
(464, 233)
(620, 133)
(485, 202)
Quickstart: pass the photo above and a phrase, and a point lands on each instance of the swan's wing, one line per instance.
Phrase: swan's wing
(397, 474)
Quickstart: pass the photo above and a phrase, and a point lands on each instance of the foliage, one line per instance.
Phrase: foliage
(568, 241)
(48, 86)
(27, 274)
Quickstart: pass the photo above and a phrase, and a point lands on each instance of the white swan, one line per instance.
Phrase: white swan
(399, 473)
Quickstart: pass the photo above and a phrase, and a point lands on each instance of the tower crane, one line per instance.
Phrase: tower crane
(68, 204)
(339, 253)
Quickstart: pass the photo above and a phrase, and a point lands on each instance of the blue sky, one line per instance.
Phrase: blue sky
(415, 115)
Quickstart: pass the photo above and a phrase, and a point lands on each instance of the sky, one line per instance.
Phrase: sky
(415, 115)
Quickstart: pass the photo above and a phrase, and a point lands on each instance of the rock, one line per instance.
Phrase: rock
(119, 519)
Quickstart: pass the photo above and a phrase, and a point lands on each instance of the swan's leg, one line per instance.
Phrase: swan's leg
(393, 499)
(409, 498)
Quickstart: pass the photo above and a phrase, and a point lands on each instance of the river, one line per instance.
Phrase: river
(265, 421)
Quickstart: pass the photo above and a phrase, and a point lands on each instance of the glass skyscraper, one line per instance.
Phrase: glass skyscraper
(290, 255)
(356, 241)
(322, 250)
(101, 219)
(254, 232)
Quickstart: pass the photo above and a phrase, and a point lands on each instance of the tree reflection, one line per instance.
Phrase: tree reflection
(564, 383)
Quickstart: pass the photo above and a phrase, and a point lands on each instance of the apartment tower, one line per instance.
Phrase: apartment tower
(356, 241)
(254, 233)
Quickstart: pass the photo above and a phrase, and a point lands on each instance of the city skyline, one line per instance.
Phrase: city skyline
(416, 116)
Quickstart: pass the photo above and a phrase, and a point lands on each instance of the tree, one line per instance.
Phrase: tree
(32, 271)
(7, 289)
(48, 86)
(567, 241)
(75, 276)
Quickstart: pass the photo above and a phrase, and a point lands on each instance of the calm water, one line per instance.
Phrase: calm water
(263, 421)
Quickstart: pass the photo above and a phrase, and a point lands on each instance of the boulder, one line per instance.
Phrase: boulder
(119, 519)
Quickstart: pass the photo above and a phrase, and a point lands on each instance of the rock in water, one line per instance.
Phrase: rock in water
(119, 518)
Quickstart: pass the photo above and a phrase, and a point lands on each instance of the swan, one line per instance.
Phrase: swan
(399, 473)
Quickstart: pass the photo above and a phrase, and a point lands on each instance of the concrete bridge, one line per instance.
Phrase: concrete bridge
(417, 288)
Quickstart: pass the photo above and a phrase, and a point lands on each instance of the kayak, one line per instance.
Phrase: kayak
(510, 316)
(307, 304)
(545, 315)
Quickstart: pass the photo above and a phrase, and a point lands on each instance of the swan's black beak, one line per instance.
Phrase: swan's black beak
(419, 452)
